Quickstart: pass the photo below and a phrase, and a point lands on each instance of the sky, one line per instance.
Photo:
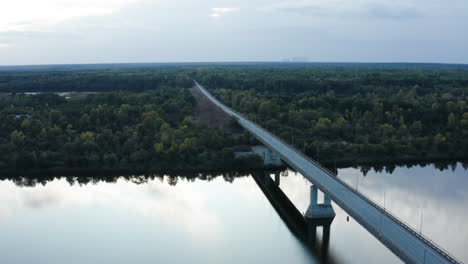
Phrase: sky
(117, 31)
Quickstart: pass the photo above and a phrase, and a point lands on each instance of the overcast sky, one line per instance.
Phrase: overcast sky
(107, 31)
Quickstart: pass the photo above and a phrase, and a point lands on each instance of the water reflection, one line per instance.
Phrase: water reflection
(172, 179)
(168, 219)
(434, 195)
(429, 198)
(222, 217)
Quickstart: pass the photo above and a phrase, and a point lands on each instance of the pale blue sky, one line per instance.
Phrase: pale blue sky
(106, 31)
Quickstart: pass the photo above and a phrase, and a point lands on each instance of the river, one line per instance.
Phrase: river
(224, 219)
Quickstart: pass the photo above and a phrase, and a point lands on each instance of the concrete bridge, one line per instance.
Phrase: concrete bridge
(409, 245)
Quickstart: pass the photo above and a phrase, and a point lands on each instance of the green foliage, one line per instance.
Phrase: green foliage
(354, 113)
(336, 112)
(117, 130)
(95, 81)
(250, 161)
(16, 139)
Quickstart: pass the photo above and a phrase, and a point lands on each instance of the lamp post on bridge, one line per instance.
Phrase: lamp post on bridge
(318, 153)
(357, 178)
(384, 200)
(421, 225)
(336, 171)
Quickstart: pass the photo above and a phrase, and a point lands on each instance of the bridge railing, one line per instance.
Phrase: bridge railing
(382, 210)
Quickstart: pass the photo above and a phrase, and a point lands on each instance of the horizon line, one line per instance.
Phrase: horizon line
(233, 62)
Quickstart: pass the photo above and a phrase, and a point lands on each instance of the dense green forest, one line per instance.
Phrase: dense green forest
(143, 119)
(354, 115)
(115, 131)
(92, 81)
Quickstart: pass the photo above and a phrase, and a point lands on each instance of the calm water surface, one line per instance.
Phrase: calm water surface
(438, 198)
(154, 222)
(216, 221)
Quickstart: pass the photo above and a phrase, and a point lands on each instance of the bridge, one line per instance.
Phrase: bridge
(405, 242)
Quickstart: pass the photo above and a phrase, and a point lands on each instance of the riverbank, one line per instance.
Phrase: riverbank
(389, 163)
(248, 165)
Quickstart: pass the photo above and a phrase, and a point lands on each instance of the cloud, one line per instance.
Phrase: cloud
(39, 200)
(34, 15)
(6, 45)
(14, 38)
(219, 11)
(305, 7)
(224, 9)
(393, 12)
(305, 10)
(155, 200)
(31, 34)
(148, 30)
(339, 8)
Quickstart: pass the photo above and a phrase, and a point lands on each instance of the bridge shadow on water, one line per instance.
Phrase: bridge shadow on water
(302, 226)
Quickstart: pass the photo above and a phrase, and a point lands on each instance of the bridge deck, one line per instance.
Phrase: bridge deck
(404, 241)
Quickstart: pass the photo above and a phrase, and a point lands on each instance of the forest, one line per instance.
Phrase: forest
(354, 115)
(115, 131)
(92, 81)
(143, 119)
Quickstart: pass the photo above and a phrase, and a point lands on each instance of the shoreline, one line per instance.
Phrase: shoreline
(112, 172)
(108, 172)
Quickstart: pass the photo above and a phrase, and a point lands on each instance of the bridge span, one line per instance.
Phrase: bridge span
(409, 245)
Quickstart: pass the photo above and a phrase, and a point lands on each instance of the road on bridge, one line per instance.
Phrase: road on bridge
(404, 241)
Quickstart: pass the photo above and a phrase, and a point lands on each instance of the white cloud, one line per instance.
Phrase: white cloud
(153, 200)
(5, 45)
(218, 11)
(34, 15)
(149, 30)
(396, 9)
(225, 9)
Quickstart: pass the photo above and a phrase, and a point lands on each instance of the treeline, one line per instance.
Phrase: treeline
(94, 81)
(94, 177)
(341, 80)
(116, 131)
(336, 113)
(354, 115)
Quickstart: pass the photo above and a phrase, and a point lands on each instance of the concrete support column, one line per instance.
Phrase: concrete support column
(313, 195)
(277, 178)
(267, 156)
(325, 241)
(311, 234)
(326, 235)
(266, 177)
(326, 199)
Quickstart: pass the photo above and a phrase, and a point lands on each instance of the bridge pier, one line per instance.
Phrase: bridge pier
(327, 200)
(277, 178)
(319, 215)
(267, 177)
(270, 158)
(319, 211)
